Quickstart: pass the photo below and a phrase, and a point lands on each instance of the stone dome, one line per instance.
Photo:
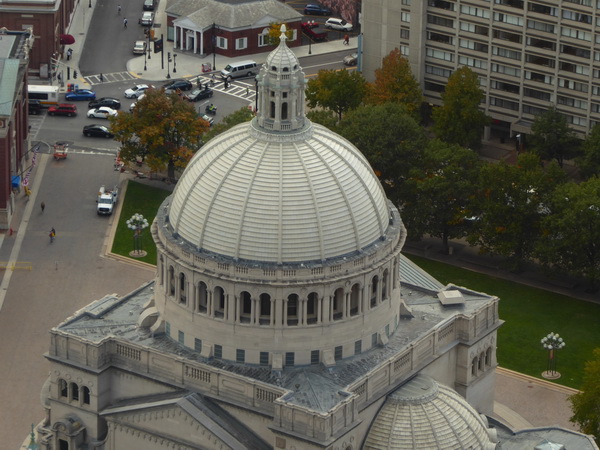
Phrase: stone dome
(308, 195)
(424, 414)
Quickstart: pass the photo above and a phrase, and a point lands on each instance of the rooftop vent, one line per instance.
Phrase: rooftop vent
(452, 297)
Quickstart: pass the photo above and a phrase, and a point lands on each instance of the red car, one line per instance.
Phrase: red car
(64, 109)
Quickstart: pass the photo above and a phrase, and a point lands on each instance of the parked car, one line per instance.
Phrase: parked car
(147, 19)
(105, 101)
(96, 130)
(184, 85)
(63, 109)
(34, 107)
(149, 5)
(338, 24)
(316, 10)
(209, 119)
(104, 112)
(135, 103)
(351, 60)
(139, 48)
(80, 94)
(313, 31)
(199, 94)
(136, 91)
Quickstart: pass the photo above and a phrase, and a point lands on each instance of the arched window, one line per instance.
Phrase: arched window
(284, 111)
(171, 280)
(285, 69)
(74, 392)
(182, 295)
(474, 365)
(292, 309)
(63, 388)
(86, 395)
(202, 297)
(272, 112)
(219, 301)
(384, 285)
(312, 303)
(488, 357)
(374, 286)
(265, 309)
(246, 307)
(354, 299)
(161, 270)
(338, 304)
(482, 362)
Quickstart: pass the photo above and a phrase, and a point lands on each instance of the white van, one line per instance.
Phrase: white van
(239, 70)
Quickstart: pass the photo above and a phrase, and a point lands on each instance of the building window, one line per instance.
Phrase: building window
(575, 85)
(315, 357)
(221, 42)
(575, 68)
(502, 103)
(508, 19)
(441, 21)
(576, 120)
(338, 304)
(575, 51)
(374, 340)
(435, 87)
(63, 388)
(240, 355)
(539, 77)
(219, 302)
(473, 11)
(506, 53)
(357, 347)
(86, 395)
(74, 392)
(472, 45)
(218, 351)
(539, 60)
(542, 9)
(442, 4)
(540, 26)
(534, 93)
(241, 43)
(512, 3)
(202, 297)
(171, 281)
(374, 288)
(533, 110)
(438, 37)
(263, 38)
(576, 34)
(311, 308)
(181, 337)
(439, 54)
(404, 34)
(472, 28)
(338, 352)
(405, 17)
(289, 359)
(182, 296)
(576, 17)
(506, 87)
(472, 62)
(264, 358)
(572, 102)
(387, 330)
(167, 328)
(438, 71)
(198, 345)
(507, 70)
(506, 36)
(246, 310)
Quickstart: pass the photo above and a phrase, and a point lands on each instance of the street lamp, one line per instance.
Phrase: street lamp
(552, 342)
(168, 61)
(215, 29)
(90, 4)
(174, 62)
(256, 94)
(137, 223)
(145, 67)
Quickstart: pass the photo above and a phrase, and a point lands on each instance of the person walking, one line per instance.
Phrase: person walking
(125, 22)
(101, 78)
(119, 10)
(346, 39)
(69, 54)
(43, 206)
(52, 235)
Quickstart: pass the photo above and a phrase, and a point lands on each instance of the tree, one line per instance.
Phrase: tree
(552, 138)
(586, 404)
(589, 161)
(444, 184)
(275, 33)
(460, 120)
(572, 231)
(163, 130)
(510, 204)
(235, 118)
(391, 140)
(324, 117)
(394, 82)
(337, 90)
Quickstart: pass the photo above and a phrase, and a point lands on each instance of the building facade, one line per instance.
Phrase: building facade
(529, 55)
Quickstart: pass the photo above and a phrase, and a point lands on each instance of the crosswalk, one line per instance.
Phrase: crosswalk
(103, 78)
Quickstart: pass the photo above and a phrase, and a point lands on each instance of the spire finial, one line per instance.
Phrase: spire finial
(283, 29)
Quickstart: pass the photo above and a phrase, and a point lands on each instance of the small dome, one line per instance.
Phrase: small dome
(423, 414)
(282, 59)
(306, 196)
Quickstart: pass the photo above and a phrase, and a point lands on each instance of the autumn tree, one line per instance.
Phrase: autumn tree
(586, 404)
(552, 138)
(391, 140)
(235, 118)
(460, 119)
(164, 130)
(394, 82)
(324, 117)
(336, 90)
(274, 33)
(571, 231)
(510, 203)
(445, 183)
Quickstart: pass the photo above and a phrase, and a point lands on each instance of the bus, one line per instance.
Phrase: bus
(47, 95)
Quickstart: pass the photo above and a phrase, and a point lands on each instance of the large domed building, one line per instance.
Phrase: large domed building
(282, 314)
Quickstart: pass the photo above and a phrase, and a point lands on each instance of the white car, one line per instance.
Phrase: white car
(136, 91)
(147, 19)
(135, 103)
(139, 48)
(104, 112)
(338, 24)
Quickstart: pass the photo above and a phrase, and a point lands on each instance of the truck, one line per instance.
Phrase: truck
(312, 30)
(107, 200)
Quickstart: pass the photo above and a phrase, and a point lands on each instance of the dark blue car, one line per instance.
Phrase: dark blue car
(316, 10)
(80, 94)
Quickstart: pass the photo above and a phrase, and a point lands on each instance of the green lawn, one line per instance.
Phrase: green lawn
(529, 315)
(144, 200)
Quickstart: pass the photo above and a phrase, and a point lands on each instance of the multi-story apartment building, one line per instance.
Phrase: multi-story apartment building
(528, 54)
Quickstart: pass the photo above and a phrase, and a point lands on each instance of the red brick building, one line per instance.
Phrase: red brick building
(15, 47)
(231, 28)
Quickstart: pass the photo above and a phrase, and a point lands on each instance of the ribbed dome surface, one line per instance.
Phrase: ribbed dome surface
(279, 198)
(282, 58)
(424, 415)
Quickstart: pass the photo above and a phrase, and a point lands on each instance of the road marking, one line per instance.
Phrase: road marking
(113, 77)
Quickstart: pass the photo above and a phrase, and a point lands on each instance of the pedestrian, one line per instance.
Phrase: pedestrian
(346, 39)
(43, 206)
(101, 78)
(212, 79)
(119, 10)
(199, 83)
(247, 91)
(69, 54)
(125, 22)
(52, 234)
(225, 83)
